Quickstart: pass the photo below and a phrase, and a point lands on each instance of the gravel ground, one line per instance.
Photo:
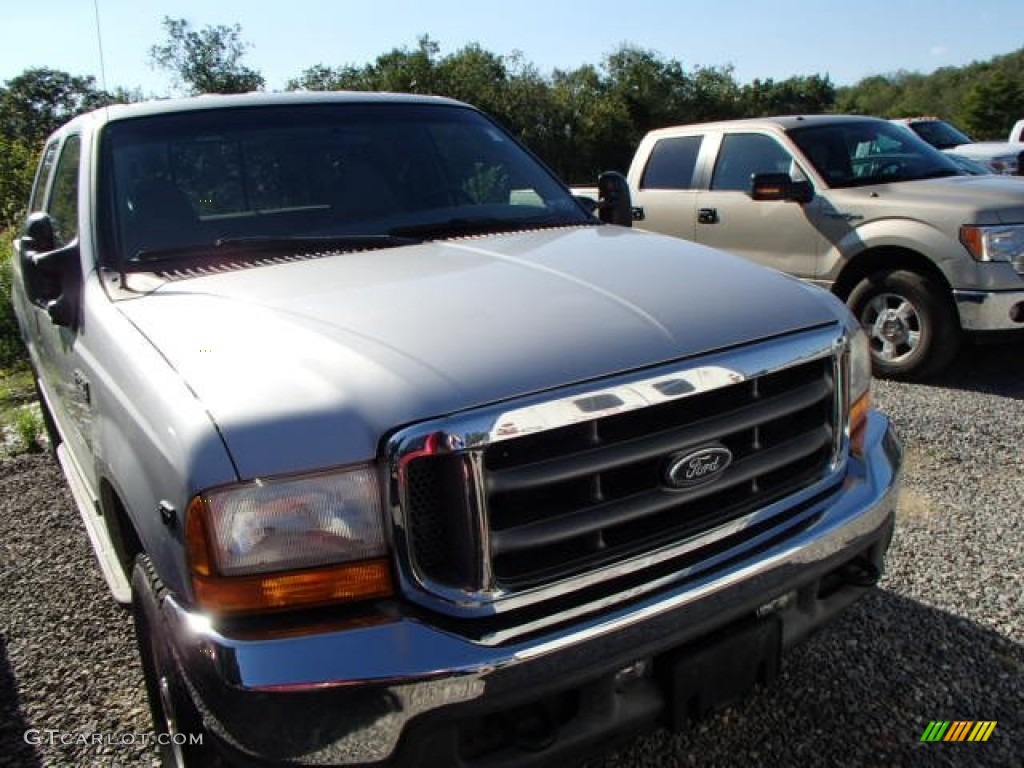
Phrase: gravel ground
(942, 639)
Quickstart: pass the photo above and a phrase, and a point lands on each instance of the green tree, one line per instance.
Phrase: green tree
(405, 71)
(592, 128)
(39, 100)
(17, 164)
(654, 91)
(399, 70)
(991, 106)
(33, 105)
(208, 60)
(321, 77)
(794, 96)
(713, 95)
(982, 96)
(476, 76)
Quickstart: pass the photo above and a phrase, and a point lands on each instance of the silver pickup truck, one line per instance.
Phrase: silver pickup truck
(923, 253)
(402, 458)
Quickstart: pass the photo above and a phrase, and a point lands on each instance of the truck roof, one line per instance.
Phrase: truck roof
(116, 112)
(781, 122)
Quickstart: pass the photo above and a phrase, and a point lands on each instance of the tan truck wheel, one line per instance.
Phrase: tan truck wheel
(911, 325)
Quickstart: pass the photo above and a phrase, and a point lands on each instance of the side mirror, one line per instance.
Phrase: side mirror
(52, 276)
(780, 186)
(614, 203)
(39, 236)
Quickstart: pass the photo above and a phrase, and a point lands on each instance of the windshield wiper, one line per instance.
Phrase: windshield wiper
(236, 248)
(479, 225)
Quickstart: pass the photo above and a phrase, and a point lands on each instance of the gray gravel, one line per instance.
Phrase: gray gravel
(942, 639)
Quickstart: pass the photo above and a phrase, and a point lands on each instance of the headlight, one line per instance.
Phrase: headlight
(860, 387)
(995, 243)
(1006, 164)
(286, 543)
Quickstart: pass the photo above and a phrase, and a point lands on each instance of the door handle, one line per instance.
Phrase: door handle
(707, 215)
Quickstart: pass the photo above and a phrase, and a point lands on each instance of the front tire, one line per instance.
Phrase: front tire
(175, 717)
(912, 326)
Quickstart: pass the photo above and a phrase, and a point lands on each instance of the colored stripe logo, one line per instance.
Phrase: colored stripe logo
(958, 730)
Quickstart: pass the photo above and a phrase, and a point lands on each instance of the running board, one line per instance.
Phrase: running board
(98, 534)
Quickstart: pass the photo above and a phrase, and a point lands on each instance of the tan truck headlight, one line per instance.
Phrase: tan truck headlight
(278, 544)
(995, 243)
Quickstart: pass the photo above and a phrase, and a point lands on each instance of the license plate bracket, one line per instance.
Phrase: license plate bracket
(722, 669)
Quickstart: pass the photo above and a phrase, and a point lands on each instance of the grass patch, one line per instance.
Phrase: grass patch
(28, 428)
(21, 424)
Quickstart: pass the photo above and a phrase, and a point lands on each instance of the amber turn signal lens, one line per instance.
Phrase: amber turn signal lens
(275, 591)
(195, 538)
(263, 593)
(859, 421)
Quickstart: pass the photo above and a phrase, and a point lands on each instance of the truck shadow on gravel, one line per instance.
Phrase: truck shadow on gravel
(861, 693)
(996, 369)
(14, 750)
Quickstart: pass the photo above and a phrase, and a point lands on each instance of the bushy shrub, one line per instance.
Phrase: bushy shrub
(28, 424)
(11, 348)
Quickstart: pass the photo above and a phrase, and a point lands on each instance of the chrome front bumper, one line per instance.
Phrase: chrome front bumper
(990, 310)
(396, 688)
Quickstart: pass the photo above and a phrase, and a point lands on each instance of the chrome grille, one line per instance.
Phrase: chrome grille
(561, 504)
(496, 507)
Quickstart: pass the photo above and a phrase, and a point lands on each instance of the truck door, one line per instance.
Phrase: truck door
(780, 234)
(56, 346)
(667, 187)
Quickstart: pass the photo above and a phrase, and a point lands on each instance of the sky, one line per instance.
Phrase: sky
(758, 39)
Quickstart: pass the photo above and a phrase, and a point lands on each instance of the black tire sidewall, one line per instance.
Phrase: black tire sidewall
(940, 332)
(157, 660)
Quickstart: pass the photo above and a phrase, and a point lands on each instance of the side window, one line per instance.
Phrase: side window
(63, 207)
(744, 154)
(672, 163)
(38, 198)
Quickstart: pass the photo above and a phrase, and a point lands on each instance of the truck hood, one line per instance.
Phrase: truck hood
(989, 149)
(311, 363)
(973, 199)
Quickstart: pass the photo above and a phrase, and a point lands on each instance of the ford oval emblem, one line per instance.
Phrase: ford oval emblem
(686, 470)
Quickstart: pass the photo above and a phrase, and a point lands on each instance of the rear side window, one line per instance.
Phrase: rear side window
(672, 163)
(744, 154)
(38, 198)
(63, 207)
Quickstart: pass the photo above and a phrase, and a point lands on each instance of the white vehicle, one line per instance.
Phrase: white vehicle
(1017, 132)
(402, 459)
(1000, 156)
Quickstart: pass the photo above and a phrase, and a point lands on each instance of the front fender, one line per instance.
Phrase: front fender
(904, 234)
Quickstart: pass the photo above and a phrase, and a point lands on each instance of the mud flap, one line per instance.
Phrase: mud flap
(720, 670)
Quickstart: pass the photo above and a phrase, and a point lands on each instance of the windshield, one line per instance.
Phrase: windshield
(939, 133)
(856, 154)
(195, 181)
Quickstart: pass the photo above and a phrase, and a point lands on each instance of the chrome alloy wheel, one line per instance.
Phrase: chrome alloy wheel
(894, 326)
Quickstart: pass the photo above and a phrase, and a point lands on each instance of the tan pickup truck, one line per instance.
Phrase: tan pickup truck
(920, 251)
